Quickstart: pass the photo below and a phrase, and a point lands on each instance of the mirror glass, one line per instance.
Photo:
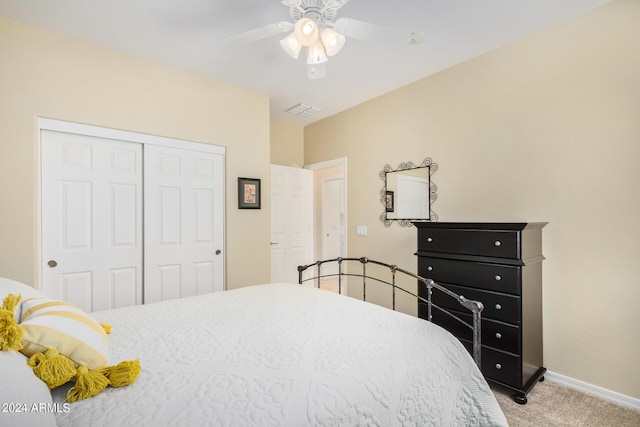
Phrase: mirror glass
(408, 193)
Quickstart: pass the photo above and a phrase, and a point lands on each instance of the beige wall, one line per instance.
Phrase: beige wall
(46, 75)
(287, 144)
(546, 129)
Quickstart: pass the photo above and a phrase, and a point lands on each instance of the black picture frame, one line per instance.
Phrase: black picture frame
(249, 193)
(389, 201)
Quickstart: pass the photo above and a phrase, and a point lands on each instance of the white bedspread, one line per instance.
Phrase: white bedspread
(285, 355)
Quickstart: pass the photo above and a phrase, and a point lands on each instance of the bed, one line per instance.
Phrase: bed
(282, 355)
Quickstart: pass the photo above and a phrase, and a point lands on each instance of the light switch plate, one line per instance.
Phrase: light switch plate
(361, 230)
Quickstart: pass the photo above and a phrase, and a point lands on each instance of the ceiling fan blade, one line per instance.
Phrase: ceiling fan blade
(291, 3)
(257, 34)
(374, 33)
(334, 4)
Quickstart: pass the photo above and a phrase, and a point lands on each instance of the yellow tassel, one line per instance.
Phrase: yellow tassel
(122, 374)
(10, 302)
(88, 384)
(10, 332)
(107, 328)
(36, 359)
(52, 367)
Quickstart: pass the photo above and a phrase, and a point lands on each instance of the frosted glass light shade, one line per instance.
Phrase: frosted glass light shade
(317, 54)
(291, 45)
(333, 41)
(306, 31)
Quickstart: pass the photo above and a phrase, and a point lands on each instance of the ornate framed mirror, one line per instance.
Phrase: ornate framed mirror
(408, 193)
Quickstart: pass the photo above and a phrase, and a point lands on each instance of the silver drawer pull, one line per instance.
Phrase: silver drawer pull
(498, 366)
(497, 243)
(429, 268)
(498, 307)
(498, 278)
(429, 239)
(498, 335)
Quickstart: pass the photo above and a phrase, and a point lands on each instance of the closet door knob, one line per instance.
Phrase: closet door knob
(218, 252)
(52, 263)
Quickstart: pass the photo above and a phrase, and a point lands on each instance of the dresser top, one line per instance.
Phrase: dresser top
(515, 226)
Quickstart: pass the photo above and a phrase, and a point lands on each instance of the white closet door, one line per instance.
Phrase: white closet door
(184, 223)
(91, 220)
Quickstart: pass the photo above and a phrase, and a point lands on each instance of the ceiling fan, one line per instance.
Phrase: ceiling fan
(316, 28)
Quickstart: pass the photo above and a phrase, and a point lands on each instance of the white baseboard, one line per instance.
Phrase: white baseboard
(620, 399)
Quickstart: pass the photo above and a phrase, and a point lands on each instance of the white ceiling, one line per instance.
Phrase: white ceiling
(184, 34)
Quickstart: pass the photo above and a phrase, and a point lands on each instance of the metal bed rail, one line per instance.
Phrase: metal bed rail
(475, 307)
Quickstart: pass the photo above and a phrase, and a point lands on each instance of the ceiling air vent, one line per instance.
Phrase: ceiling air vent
(303, 110)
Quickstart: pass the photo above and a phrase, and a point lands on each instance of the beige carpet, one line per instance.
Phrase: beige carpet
(551, 404)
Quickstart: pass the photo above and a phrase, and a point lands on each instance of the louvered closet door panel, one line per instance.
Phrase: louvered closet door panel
(184, 234)
(91, 220)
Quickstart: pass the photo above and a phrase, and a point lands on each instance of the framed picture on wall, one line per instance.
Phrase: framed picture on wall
(248, 193)
(389, 201)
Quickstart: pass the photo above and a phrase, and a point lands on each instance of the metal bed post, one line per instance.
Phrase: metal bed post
(393, 285)
(364, 278)
(429, 284)
(476, 338)
(476, 308)
(340, 275)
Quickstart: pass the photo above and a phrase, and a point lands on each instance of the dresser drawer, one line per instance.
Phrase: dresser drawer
(497, 306)
(495, 277)
(498, 365)
(502, 367)
(494, 334)
(488, 243)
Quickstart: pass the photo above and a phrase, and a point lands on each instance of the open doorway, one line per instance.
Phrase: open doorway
(308, 218)
(330, 214)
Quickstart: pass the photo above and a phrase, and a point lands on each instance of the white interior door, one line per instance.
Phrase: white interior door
(91, 220)
(291, 222)
(332, 222)
(184, 223)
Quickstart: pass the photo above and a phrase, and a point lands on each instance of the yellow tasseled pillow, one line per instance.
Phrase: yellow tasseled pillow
(57, 336)
(66, 328)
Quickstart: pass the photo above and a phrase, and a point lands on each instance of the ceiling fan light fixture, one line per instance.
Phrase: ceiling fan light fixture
(291, 45)
(333, 41)
(306, 31)
(317, 54)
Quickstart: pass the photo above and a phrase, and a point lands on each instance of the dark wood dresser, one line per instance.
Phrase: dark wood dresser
(500, 265)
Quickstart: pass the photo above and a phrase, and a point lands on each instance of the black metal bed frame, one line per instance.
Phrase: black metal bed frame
(475, 307)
